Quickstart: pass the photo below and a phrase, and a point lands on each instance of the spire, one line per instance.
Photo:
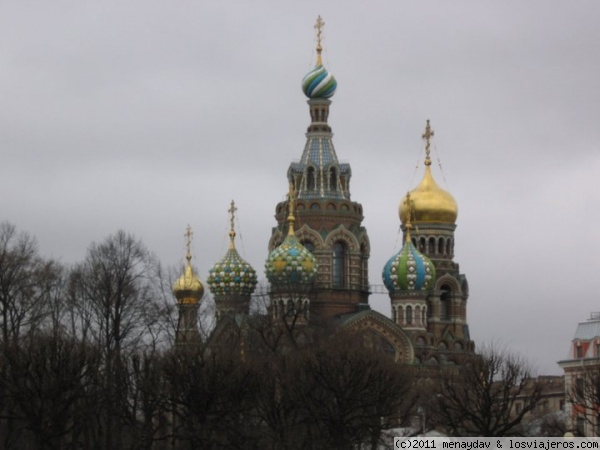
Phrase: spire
(291, 205)
(408, 224)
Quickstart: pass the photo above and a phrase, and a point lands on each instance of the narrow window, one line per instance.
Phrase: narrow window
(409, 315)
(332, 179)
(445, 299)
(310, 179)
(338, 269)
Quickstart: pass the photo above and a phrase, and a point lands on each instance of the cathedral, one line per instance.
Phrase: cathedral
(318, 260)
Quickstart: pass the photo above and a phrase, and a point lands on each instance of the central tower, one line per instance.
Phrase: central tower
(328, 222)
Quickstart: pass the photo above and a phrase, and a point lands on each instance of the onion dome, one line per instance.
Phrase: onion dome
(429, 202)
(188, 288)
(409, 269)
(291, 264)
(232, 275)
(319, 83)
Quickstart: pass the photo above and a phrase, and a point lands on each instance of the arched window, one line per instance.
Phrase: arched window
(445, 300)
(332, 179)
(310, 179)
(409, 315)
(431, 249)
(441, 246)
(338, 266)
(417, 315)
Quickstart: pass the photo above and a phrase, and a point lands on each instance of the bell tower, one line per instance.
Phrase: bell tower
(328, 222)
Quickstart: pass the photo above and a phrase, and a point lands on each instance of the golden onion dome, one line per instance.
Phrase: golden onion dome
(428, 202)
(188, 288)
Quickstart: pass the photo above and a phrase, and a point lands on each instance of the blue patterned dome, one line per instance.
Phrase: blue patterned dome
(408, 270)
(232, 275)
(291, 264)
(319, 83)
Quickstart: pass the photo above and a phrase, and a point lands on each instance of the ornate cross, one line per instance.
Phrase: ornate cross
(427, 136)
(188, 236)
(232, 209)
(319, 27)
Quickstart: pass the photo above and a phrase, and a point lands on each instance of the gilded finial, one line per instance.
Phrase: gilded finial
(232, 209)
(291, 218)
(188, 236)
(408, 224)
(427, 136)
(319, 27)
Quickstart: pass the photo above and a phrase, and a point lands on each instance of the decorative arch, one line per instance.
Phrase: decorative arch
(388, 330)
(450, 281)
(342, 234)
(305, 233)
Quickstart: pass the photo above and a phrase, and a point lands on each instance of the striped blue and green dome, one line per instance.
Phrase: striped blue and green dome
(290, 264)
(232, 275)
(408, 270)
(319, 83)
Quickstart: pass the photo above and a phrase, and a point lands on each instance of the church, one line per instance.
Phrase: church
(317, 264)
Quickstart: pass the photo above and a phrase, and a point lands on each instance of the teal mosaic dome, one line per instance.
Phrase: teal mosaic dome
(319, 83)
(291, 264)
(232, 275)
(408, 270)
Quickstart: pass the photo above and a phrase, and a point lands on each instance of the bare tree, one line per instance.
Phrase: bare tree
(25, 283)
(115, 294)
(352, 393)
(210, 399)
(47, 381)
(480, 397)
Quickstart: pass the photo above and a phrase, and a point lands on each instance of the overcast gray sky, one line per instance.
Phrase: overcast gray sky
(148, 115)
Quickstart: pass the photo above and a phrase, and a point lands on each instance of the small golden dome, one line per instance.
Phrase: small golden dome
(428, 202)
(188, 288)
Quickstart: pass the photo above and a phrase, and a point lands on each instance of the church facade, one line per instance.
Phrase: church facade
(318, 262)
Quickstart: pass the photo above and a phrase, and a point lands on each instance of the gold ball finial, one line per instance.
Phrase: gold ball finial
(409, 207)
(291, 206)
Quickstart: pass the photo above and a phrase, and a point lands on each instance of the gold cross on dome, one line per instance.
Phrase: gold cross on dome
(319, 27)
(188, 236)
(427, 136)
(232, 209)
